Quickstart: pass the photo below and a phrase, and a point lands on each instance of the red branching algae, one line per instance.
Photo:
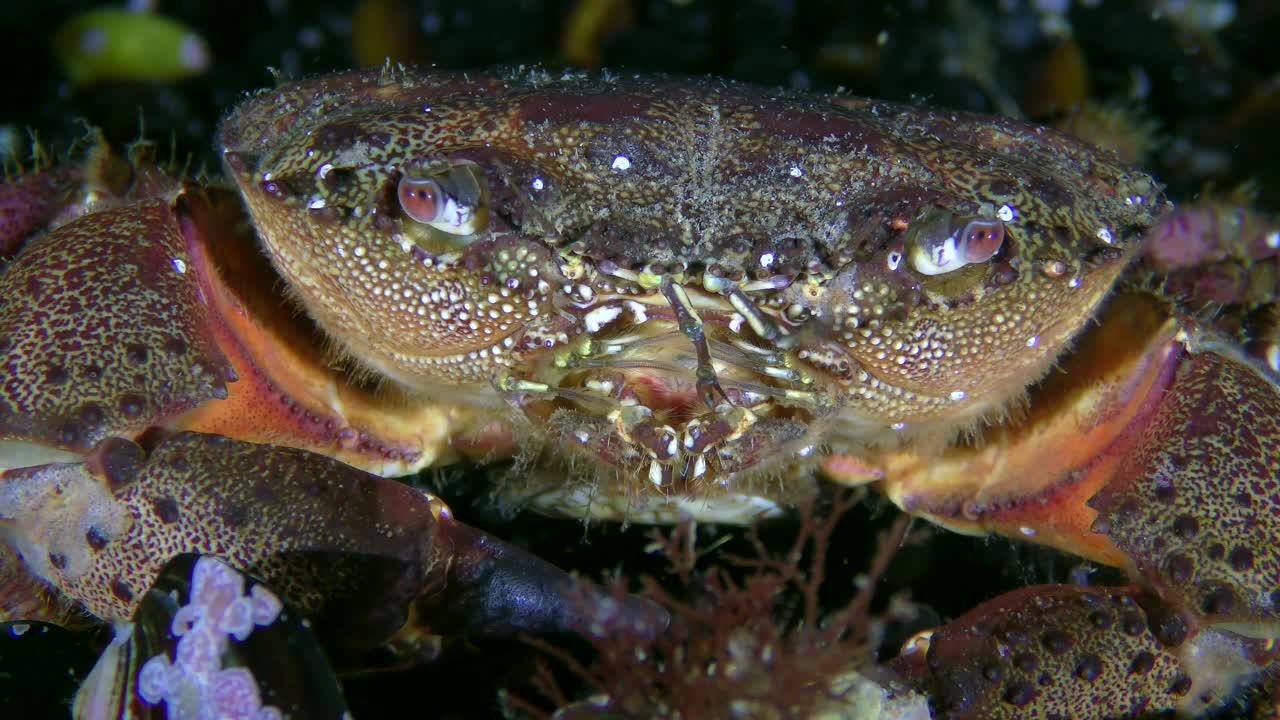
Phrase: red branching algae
(736, 647)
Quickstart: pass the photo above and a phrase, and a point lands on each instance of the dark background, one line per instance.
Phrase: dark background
(1202, 102)
(1209, 95)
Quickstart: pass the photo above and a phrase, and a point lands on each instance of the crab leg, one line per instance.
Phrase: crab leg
(374, 563)
(30, 201)
(1079, 652)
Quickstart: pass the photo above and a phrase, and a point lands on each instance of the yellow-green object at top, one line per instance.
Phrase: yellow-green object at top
(118, 44)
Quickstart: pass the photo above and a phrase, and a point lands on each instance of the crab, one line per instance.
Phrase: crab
(665, 298)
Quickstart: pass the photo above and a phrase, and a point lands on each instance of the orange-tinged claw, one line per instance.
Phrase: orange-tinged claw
(90, 343)
(1155, 450)
(151, 315)
(1032, 478)
(1061, 651)
(1196, 504)
(287, 394)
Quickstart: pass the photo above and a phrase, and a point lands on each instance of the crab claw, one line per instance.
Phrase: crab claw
(370, 561)
(1195, 506)
(152, 315)
(101, 333)
(1159, 456)
(1156, 450)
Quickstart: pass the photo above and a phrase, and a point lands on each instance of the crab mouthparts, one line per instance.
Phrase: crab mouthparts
(686, 406)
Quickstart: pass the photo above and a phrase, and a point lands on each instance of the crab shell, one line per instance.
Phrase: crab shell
(687, 287)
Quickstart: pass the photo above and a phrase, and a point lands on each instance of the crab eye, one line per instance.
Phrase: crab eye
(980, 239)
(452, 201)
(938, 246)
(421, 198)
